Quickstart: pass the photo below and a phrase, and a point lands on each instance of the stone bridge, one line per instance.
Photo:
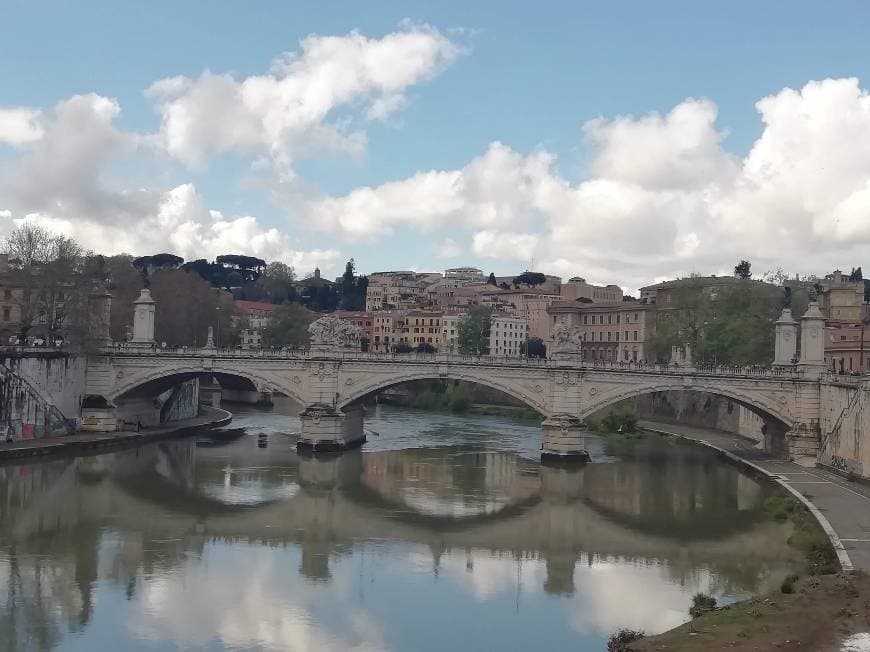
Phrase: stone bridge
(332, 378)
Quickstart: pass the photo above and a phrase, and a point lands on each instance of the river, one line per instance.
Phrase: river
(443, 533)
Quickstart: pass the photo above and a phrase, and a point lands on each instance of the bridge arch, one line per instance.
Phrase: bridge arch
(126, 381)
(774, 409)
(526, 395)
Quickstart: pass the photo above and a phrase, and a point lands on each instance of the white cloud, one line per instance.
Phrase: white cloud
(60, 182)
(447, 248)
(291, 109)
(662, 197)
(179, 223)
(515, 247)
(20, 126)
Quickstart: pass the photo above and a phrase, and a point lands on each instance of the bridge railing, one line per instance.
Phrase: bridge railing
(748, 371)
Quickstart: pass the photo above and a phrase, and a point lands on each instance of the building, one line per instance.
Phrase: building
(551, 284)
(577, 289)
(450, 332)
(528, 304)
(257, 314)
(617, 332)
(424, 327)
(507, 334)
(465, 275)
(398, 290)
(841, 298)
(388, 330)
(844, 350)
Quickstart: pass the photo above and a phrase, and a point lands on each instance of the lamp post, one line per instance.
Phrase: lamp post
(218, 329)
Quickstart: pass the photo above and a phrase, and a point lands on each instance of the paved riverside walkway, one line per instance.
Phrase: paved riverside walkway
(844, 505)
(210, 417)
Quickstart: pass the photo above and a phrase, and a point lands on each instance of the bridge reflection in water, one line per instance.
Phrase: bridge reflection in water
(158, 520)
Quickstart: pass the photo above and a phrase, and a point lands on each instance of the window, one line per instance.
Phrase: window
(608, 336)
(617, 336)
(609, 319)
(7, 294)
(635, 336)
(617, 319)
(6, 316)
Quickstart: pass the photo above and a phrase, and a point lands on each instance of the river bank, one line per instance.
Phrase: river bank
(824, 610)
(209, 417)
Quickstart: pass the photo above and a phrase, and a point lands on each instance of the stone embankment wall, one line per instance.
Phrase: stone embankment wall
(696, 409)
(845, 428)
(180, 402)
(40, 393)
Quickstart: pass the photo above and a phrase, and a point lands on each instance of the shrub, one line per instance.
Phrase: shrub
(620, 419)
(701, 604)
(788, 583)
(619, 642)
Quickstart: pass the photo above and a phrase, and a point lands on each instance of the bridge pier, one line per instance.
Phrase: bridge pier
(564, 440)
(326, 429)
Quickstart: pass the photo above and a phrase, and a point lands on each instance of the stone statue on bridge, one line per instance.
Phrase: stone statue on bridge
(331, 331)
(566, 339)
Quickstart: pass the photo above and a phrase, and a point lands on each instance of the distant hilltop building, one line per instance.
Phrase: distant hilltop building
(469, 274)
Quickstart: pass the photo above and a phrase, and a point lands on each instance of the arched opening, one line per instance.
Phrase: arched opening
(703, 408)
(529, 397)
(175, 394)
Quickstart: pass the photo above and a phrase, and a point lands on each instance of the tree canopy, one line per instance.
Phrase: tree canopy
(534, 348)
(287, 326)
(473, 337)
(530, 278)
(743, 269)
(734, 326)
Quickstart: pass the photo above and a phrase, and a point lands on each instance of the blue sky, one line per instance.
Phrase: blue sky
(526, 75)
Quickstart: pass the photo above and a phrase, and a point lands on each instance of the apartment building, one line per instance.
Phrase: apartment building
(450, 332)
(398, 290)
(424, 327)
(257, 314)
(617, 332)
(507, 333)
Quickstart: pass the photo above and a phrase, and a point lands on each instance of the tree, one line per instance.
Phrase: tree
(856, 276)
(187, 305)
(277, 282)
(530, 278)
(491, 280)
(534, 348)
(743, 269)
(125, 283)
(353, 288)
(287, 327)
(736, 326)
(425, 347)
(401, 348)
(54, 279)
(147, 265)
(504, 286)
(583, 300)
(249, 267)
(474, 331)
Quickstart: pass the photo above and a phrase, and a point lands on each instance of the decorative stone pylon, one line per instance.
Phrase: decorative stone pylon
(144, 316)
(785, 348)
(101, 310)
(812, 357)
(209, 338)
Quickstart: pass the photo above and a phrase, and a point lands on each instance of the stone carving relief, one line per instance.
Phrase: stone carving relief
(567, 338)
(332, 331)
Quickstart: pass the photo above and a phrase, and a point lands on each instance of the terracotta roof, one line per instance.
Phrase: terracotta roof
(250, 306)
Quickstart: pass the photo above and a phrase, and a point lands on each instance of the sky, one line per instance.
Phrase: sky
(624, 142)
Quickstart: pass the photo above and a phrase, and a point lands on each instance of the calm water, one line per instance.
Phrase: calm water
(444, 534)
